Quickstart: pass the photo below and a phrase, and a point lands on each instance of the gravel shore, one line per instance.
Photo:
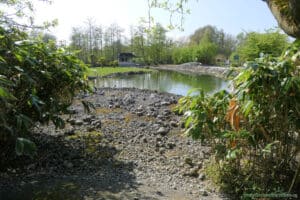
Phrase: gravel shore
(196, 68)
(130, 147)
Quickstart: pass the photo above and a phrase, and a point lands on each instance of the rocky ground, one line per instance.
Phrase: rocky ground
(196, 68)
(130, 147)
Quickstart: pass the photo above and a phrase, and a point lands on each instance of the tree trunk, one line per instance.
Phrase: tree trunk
(287, 14)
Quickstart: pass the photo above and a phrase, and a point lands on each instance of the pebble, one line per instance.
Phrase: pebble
(70, 132)
(162, 131)
(173, 124)
(68, 164)
(204, 193)
(78, 122)
(202, 176)
(165, 103)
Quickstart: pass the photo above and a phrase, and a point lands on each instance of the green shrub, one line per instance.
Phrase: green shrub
(182, 55)
(254, 132)
(205, 52)
(102, 61)
(37, 83)
(114, 63)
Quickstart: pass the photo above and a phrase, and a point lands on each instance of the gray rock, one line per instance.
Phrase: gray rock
(158, 139)
(89, 118)
(165, 103)
(90, 128)
(202, 176)
(173, 123)
(182, 125)
(145, 140)
(160, 116)
(171, 145)
(157, 104)
(204, 193)
(78, 122)
(150, 108)
(139, 113)
(128, 99)
(159, 193)
(71, 121)
(72, 111)
(68, 164)
(152, 96)
(191, 172)
(189, 161)
(70, 132)
(140, 108)
(97, 124)
(163, 131)
(200, 165)
(162, 150)
(166, 112)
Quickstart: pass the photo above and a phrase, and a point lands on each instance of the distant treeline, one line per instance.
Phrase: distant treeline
(100, 46)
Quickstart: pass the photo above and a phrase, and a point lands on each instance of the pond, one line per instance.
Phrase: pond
(164, 81)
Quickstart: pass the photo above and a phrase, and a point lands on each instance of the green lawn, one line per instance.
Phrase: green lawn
(104, 71)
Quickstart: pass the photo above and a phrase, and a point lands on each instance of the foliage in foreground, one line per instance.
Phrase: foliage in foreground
(254, 132)
(37, 83)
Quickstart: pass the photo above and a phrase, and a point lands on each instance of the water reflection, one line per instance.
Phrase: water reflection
(165, 81)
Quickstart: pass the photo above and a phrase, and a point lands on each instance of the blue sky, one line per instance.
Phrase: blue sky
(233, 16)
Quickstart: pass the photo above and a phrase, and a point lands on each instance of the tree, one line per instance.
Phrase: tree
(209, 32)
(182, 55)
(205, 52)
(253, 44)
(138, 43)
(157, 44)
(95, 43)
(224, 42)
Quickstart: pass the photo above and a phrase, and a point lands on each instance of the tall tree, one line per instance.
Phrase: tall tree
(225, 43)
(157, 41)
(253, 44)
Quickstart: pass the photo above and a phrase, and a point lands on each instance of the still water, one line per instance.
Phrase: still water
(164, 81)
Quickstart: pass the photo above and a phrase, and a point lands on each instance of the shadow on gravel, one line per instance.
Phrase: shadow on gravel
(69, 169)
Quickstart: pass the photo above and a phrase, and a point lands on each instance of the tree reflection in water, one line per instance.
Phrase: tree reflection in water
(164, 81)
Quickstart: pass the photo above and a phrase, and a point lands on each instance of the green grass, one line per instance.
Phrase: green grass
(104, 71)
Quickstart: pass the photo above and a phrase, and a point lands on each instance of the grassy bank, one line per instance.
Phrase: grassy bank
(104, 71)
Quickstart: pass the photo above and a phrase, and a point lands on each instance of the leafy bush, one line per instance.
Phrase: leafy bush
(254, 132)
(37, 83)
(114, 63)
(182, 55)
(102, 61)
(205, 52)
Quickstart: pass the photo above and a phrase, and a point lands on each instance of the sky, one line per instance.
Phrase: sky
(233, 17)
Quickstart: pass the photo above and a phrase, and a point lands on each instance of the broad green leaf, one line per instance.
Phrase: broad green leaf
(5, 94)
